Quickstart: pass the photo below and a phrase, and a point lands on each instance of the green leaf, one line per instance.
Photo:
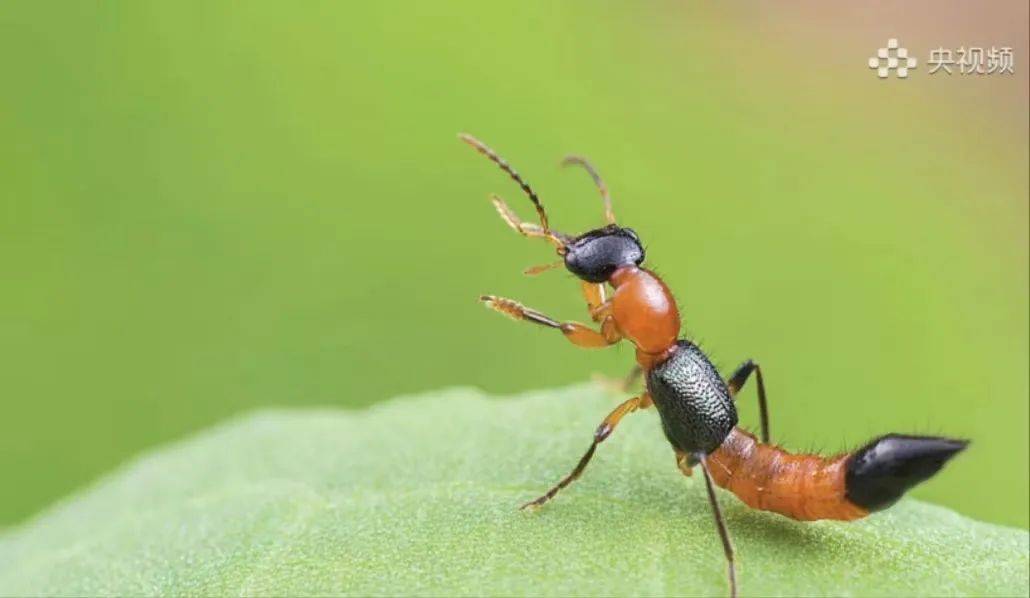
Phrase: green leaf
(419, 496)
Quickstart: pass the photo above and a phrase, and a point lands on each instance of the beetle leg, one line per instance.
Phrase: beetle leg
(578, 334)
(737, 381)
(598, 304)
(720, 525)
(603, 431)
(526, 229)
(685, 463)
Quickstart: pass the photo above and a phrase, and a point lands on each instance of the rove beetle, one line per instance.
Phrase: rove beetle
(694, 403)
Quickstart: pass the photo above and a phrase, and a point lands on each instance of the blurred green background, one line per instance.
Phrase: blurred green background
(210, 207)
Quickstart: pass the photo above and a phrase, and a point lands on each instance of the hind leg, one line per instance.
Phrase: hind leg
(720, 526)
(737, 381)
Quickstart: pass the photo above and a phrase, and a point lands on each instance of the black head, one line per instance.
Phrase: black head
(595, 255)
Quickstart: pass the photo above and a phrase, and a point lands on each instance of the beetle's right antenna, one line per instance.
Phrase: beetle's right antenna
(609, 215)
(489, 153)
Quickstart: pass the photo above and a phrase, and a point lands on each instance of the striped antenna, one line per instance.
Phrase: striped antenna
(489, 153)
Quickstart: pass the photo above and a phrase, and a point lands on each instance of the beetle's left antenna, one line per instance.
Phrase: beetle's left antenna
(609, 215)
(489, 153)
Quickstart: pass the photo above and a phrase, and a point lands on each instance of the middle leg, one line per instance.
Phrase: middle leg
(685, 463)
(603, 431)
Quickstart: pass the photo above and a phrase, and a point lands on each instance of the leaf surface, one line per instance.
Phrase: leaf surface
(420, 495)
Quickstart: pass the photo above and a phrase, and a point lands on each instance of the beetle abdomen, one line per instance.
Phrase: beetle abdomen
(810, 487)
(693, 401)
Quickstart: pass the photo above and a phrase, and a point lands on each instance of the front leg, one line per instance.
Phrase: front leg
(598, 304)
(578, 334)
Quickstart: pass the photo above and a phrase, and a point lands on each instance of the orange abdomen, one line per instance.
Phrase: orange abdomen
(766, 477)
(645, 312)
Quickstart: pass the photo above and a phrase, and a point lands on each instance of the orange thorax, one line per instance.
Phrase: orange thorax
(646, 313)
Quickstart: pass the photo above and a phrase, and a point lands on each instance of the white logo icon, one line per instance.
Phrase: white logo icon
(892, 58)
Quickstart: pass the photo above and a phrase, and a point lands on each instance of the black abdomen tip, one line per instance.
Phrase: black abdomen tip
(881, 471)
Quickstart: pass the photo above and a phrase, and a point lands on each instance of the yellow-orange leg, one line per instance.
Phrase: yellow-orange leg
(597, 304)
(526, 229)
(578, 334)
(603, 431)
(684, 463)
